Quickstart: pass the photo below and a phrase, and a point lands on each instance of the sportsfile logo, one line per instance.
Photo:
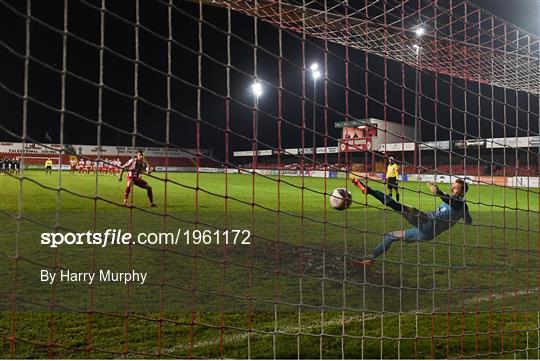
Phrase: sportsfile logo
(118, 237)
(109, 237)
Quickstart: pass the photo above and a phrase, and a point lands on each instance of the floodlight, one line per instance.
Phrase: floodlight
(257, 89)
(420, 31)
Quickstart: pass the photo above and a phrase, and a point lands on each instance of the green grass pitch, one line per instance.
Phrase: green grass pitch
(293, 292)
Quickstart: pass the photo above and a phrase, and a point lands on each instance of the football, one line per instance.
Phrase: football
(340, 199)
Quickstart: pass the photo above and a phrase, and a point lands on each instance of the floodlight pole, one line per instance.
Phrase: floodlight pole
(416, 106)
(257, 91)
(315, 74)
(419, 31)
(256, 129)
(314, 128)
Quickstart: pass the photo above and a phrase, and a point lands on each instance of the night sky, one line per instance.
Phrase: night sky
(117, 105)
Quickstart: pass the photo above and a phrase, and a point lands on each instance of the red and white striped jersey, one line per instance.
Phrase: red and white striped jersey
(136, 167)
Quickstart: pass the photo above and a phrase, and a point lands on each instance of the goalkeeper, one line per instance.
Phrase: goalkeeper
(48, 166)
(426, 226)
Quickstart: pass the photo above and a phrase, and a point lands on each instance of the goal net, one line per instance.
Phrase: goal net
(229, 124)
(31, 162)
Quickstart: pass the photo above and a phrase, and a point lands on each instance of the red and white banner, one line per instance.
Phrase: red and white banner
(355, 144)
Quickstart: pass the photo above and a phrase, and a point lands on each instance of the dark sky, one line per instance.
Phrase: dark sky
(117, 104)
(522, 13)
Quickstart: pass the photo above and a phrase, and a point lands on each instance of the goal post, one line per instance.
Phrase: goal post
(38, 162)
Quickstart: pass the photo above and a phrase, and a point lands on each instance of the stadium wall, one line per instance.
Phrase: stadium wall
(529, 182)
(81, 150)
(35, 154)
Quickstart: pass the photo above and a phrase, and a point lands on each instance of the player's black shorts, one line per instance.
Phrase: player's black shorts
(48, 167)
(392, 183)
(139, 182)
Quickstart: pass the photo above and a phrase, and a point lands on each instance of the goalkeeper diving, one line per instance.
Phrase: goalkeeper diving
(425, 226)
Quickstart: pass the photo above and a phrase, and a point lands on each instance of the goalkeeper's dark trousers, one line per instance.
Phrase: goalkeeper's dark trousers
(412, 215)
